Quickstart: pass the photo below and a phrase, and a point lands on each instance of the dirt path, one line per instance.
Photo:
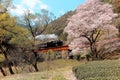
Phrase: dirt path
(65, 72)
(69, 75)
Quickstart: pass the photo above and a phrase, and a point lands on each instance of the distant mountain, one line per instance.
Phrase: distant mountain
(58, 25)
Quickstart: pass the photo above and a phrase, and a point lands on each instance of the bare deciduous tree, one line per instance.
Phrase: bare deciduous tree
(36, 25)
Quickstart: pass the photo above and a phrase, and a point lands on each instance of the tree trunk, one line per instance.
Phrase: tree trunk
(9, 62)
(94, 53)
(2, 71)
(10, 68)
(36, 60)
(35, 66)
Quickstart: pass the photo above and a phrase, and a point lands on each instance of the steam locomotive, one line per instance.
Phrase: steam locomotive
(50, 44)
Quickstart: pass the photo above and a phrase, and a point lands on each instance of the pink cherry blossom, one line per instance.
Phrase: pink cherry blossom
(92, 24)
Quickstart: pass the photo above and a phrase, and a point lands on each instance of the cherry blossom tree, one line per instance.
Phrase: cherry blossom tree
(92, 28)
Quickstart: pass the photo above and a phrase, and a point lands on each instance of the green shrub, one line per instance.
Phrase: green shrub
(103, 78)
(98, 70)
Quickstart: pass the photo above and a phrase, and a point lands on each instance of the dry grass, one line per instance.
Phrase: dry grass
(56, 68)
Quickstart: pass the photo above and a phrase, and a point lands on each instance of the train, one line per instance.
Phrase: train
(50, 44)
(55, 46)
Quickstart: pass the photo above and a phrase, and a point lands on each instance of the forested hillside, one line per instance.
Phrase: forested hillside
(116, 7)
(58, 25)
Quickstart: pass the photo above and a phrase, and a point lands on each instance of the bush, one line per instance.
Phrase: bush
(98, 70)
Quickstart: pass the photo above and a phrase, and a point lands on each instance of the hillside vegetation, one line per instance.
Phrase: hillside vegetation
(58, 25)
(116, 8)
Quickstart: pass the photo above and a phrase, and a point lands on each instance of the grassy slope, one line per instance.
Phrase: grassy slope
(57, 69)
(62, 70)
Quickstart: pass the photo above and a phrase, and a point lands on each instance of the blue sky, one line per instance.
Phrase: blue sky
(58, 7)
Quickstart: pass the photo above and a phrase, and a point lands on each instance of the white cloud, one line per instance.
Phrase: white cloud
(44, 6)
(19, 10)
(31, 5)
